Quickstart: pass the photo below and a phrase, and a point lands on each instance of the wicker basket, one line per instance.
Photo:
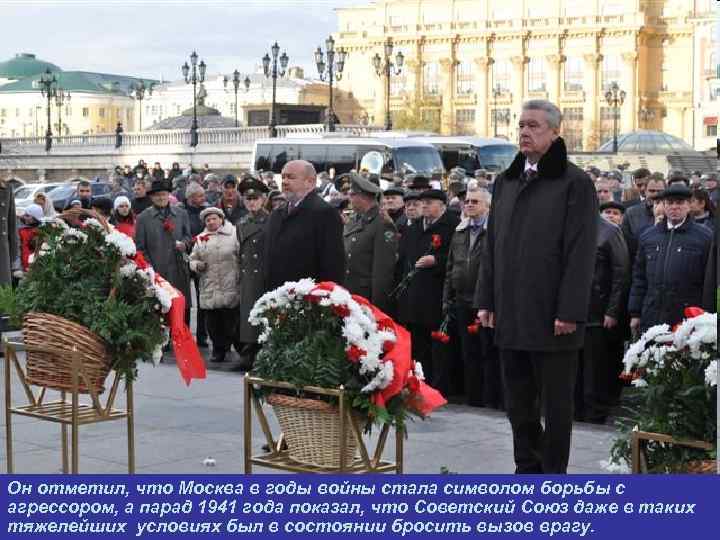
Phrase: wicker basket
(708, 466)
(312, 431)
(54, 370)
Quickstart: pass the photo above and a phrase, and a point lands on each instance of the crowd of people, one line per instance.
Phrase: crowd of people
(503, 282)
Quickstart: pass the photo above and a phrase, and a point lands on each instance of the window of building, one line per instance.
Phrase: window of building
(101, 112)
(431, 82)
(665, 74)
(430, 117)
(465, 116)
(464, 79)
(613, 8)
(611, 71)
(572, 128)
(536, 75)
(397, 84)
(30, 111)
(606, 123)
(3, 112)
(17, 112)
(711, 131)
(575, 8)
(502, 70)
(86, 112)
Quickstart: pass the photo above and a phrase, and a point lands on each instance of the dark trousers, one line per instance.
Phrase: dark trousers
(482, 383)
(535, 382)
(201, 330)
(596, 387)
(221, 325)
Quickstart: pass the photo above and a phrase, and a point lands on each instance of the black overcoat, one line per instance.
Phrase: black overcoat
(251, 237)
(307, 242)
(421, 304)
(542, 238)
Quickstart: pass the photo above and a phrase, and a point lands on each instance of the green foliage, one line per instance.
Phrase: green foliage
(8, 305)
(79, 280)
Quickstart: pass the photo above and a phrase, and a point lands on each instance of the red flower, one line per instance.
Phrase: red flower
(341, 311)
(692, 312)
(474, 328)
(203, 237)
(413, 384)
(168, 225)
(140, 261)
(354, 353)
(436, 241)
(440, 336)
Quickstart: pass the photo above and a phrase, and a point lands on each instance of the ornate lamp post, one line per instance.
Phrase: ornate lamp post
(334, 71)
(196, 76)
(48, 88)
(236, 86)
(60, 98)
(274, 73)
(615, 98)
(497, 93)
(387, 67)
(137, 92)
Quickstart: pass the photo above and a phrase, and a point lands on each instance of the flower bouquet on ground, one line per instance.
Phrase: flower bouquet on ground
(91, 280)
(320, 335)
(675, 374)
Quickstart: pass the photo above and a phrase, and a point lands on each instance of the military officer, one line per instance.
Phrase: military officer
(251, 237)
(370, 245)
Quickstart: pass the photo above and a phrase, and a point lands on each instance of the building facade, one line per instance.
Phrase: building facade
(469, 64)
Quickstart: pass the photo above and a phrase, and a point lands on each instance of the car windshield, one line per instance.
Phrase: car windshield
(61, 192)
(496, 157)
(23, 193)
(418, 159)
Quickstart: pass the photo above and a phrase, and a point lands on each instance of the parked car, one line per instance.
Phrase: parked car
(24, 195)
(62, 195)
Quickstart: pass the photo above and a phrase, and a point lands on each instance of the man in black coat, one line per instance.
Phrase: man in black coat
(304, 239)
(542, 233)
(420, 307)
(641, 216)
(601, 359)
(711, 276)
(669, 271)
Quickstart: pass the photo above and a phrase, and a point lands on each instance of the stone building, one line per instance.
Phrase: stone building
(469, 64)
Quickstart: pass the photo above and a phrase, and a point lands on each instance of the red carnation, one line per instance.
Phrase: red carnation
(474, 328)
(168, 225)
(413, 384)
(436, 241)
(354, 353)
(440, 336)
(341, 311)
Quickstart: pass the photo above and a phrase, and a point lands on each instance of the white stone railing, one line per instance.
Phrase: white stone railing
(173, 137)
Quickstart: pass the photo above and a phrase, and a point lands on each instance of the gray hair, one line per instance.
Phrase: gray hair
(484, 194)
(193, 189)
(552, 113)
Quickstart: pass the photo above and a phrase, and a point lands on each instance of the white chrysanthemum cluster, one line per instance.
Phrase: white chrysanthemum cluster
(711, 374)
(123, 242)
(360, 328)
(692, 333)
(74, 235)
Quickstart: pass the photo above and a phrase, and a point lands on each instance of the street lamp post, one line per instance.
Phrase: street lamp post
(274, 73)
(387, 67)
(60, 100)
(333, 72)
(48, 88)
(196, 76)
(615, 98)
(497, 93)
(236, 86)
(137, 91)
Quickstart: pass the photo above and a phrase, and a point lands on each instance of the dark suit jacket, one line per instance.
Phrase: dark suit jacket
(305, 243)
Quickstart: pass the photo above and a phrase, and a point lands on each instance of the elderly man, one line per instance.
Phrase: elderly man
(425, 246)
(163, 235)
(641, 216)
(231, 202)
(542, 232)
(394, 205)
(370, 245)
(481, 377)
(613, 212)
(669, 270)
(604, 192)
(304, 239)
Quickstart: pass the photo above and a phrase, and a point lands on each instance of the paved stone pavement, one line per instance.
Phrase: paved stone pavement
(178, 427)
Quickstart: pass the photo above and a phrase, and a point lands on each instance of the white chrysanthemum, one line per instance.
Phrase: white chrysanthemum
(163, 297)
(615, 468)
(92, 222)
(639, 383)
(340, 297)
(74, 233)
(711, 374)
(128, 269)
(123, 242)
(353, 332)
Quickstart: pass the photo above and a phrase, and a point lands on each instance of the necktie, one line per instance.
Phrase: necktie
(529, 175)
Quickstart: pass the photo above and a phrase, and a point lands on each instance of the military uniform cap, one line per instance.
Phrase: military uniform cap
(252, 187)
(394, 191)
(360, 184)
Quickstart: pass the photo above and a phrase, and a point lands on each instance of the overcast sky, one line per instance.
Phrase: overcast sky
(152, 38)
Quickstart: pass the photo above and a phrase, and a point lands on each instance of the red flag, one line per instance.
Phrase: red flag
(187, 356)
(692, 312)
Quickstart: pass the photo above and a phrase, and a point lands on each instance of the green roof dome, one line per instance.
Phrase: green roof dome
(24, 65)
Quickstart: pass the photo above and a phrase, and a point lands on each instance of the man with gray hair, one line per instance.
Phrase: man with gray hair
(535, 291)
(195, 203)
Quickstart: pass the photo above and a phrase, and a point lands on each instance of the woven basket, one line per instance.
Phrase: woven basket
(54, 370)
(312, 431)
(708, 466)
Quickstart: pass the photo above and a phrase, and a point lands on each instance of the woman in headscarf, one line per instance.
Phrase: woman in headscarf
(122, 216)
(44, 201)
